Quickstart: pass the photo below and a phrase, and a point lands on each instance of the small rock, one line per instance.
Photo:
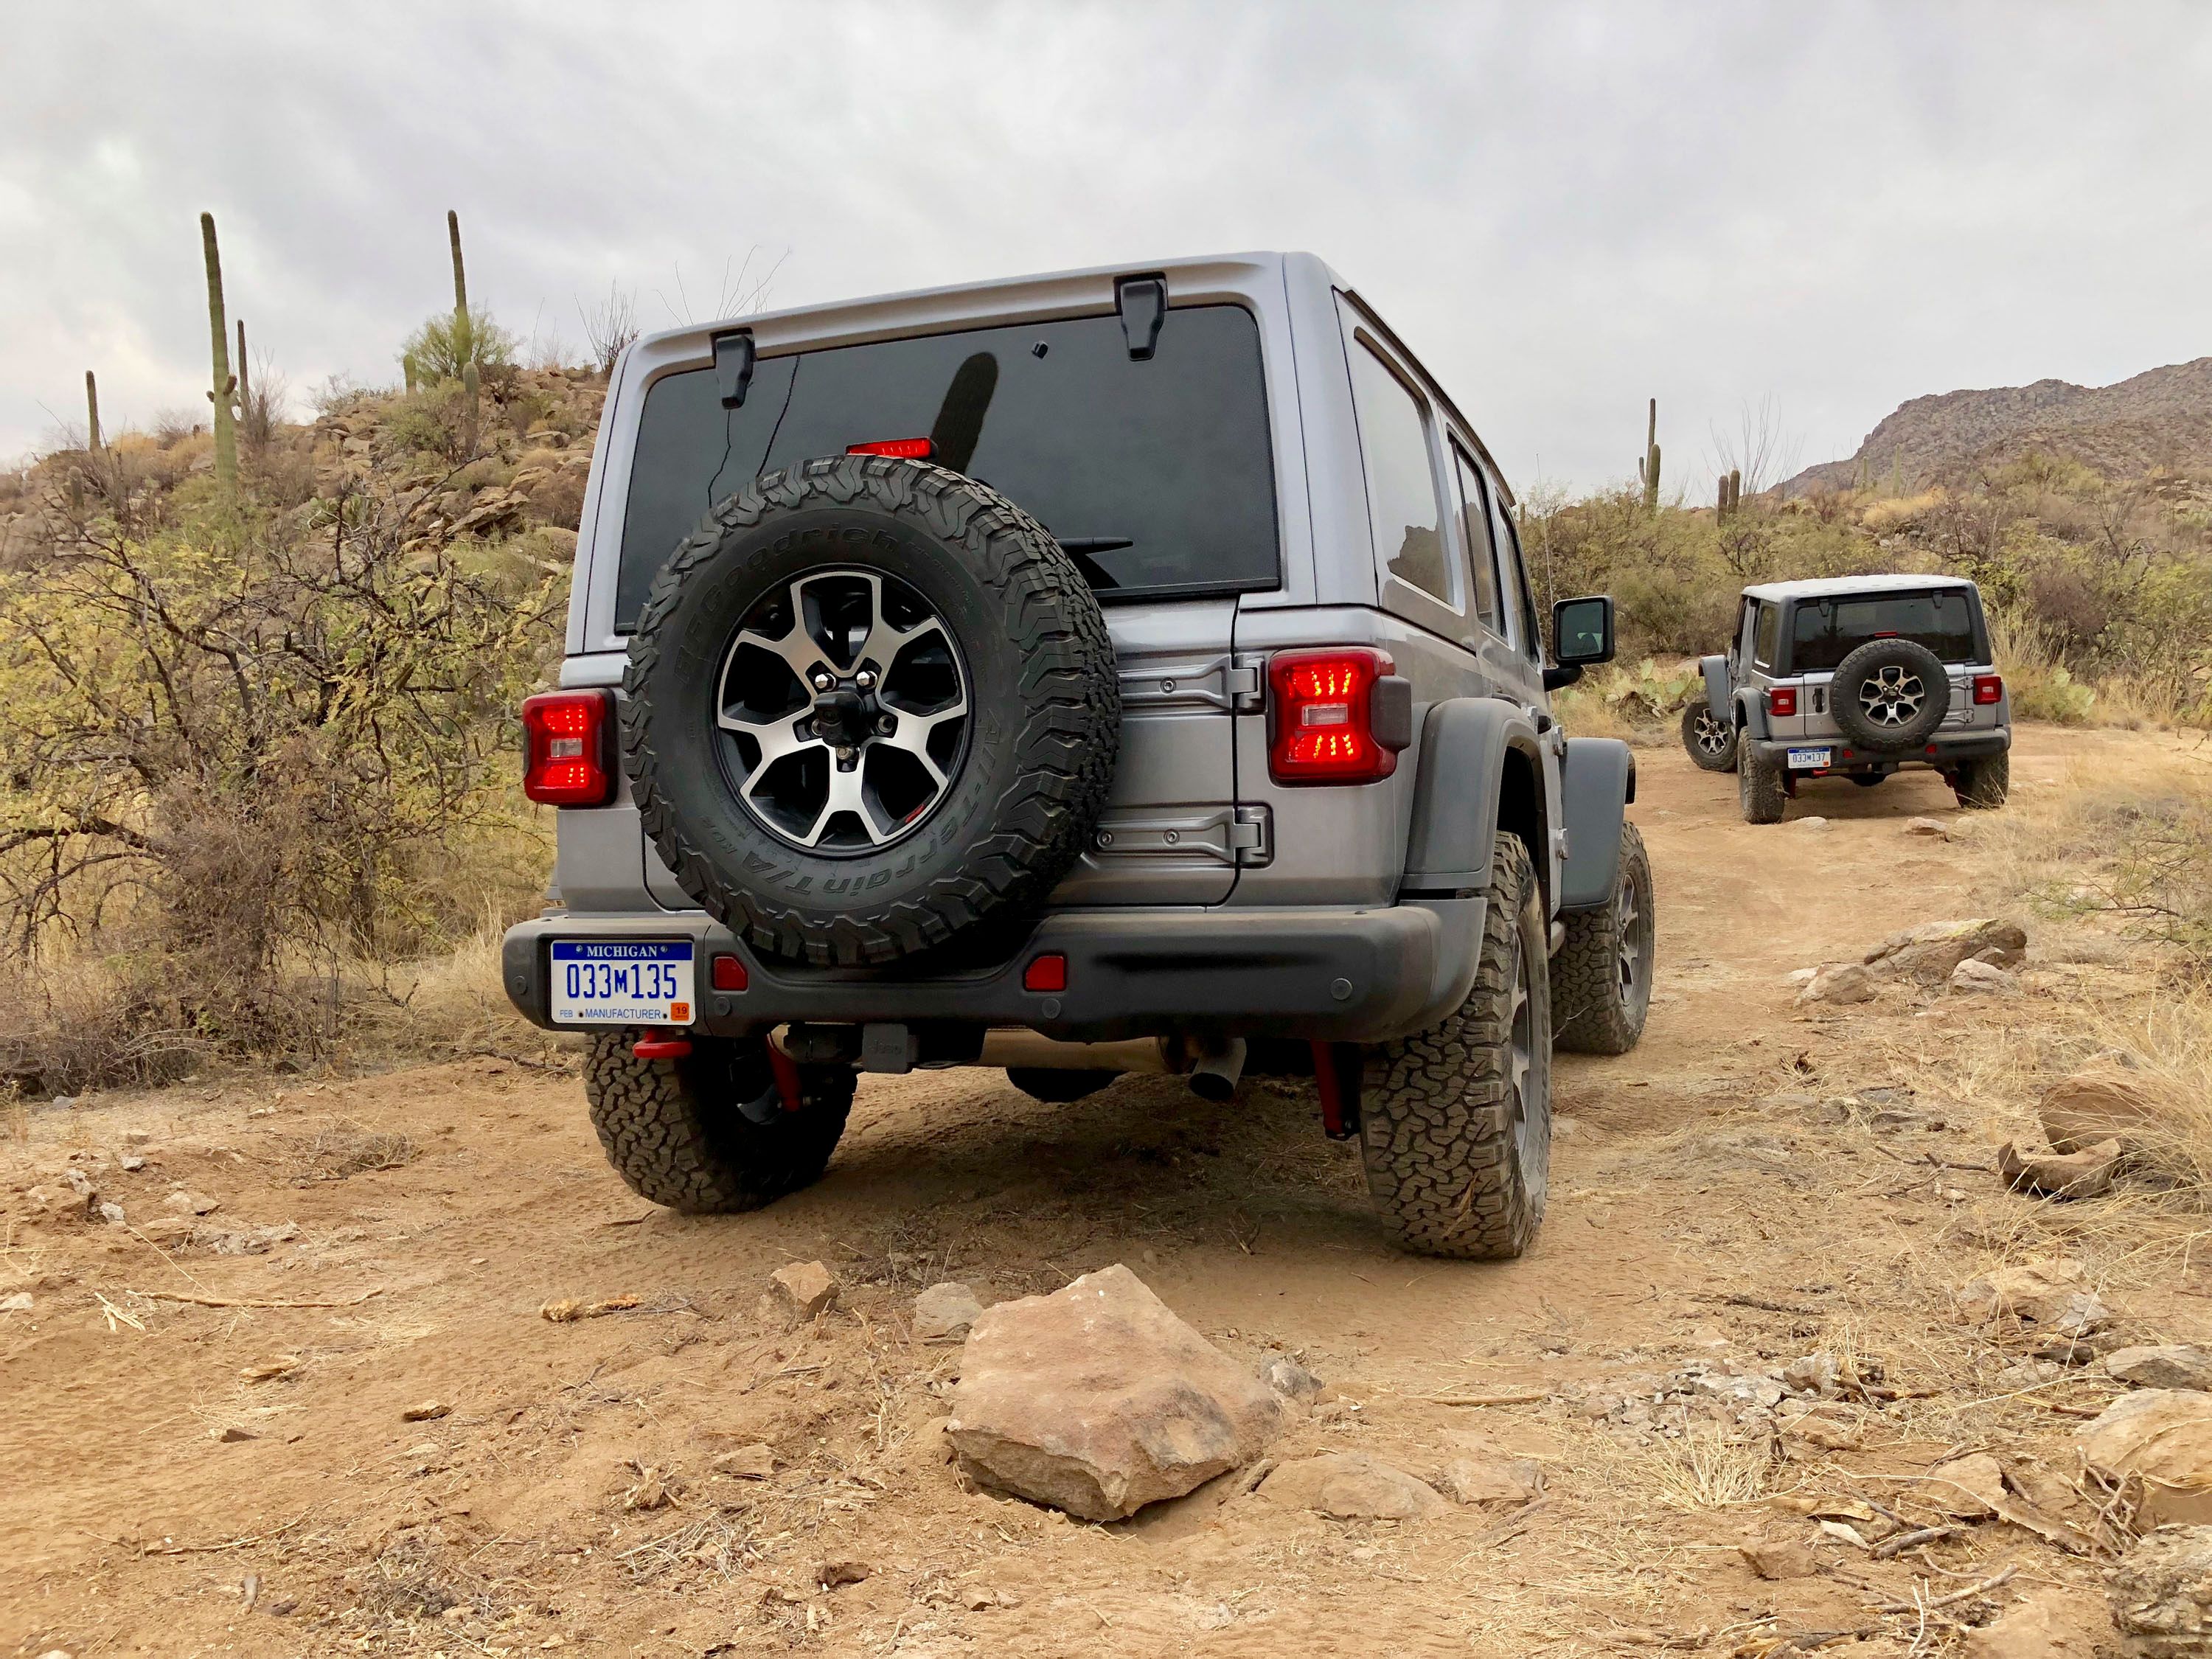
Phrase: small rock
(836, 1575)
(130, 1163)
(185, 1203)
(1352, 1487)
(111, 1213)
(167, 1229)
(1097, 1399)
(2095, 1106)
(2045, 1625)
(2161, 1594)
(652, 1492)
(138, 1137)
(16, 1302)
(80, 1183)
(1800, 975)
(2178, 1365)
(944, 1312)
(1815, 824)
(428, 1412)
(1839, 982)
(2085, 1174)
(1816, 1373)
(1778, 1558)
(1492, 1480)
(2164, 1436)
(231, 1435)
(2049, 1293)
(1969, 1488)
(1932, 828)
(1974, 977)
(1290, 1379)
(803, 1290)
(753, 1462)
(1928, 953)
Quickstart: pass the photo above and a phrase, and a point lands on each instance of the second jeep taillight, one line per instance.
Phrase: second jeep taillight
(567, 740)
(1782, 701)
(1989, 689)
(1335, 716)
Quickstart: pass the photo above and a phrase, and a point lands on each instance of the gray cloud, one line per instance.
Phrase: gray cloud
(1565, 208)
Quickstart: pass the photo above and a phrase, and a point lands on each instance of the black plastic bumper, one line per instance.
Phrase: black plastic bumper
(1338, 975)
(1940, 751)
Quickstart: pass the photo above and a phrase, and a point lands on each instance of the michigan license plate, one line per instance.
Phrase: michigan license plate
(1802, 760)
(622, 982)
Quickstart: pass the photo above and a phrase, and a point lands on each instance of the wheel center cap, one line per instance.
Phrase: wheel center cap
(843, 716)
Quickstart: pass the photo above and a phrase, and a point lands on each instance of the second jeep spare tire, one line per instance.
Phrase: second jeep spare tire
(870, 703)
(1890, 695)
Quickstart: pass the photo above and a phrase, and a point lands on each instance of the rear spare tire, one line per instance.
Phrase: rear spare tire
(870, 703)
(1890, 695)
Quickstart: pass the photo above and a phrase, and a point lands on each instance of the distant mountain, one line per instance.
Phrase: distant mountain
(2160, 418)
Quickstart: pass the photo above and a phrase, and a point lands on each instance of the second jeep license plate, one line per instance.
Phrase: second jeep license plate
(622, 981)
(1808, 759)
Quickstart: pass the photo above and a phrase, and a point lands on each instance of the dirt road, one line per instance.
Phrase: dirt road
(238, 1474)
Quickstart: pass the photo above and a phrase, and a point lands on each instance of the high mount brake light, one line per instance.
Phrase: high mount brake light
(901, 449)
(1781, 700)
(568, 748)
(1320, 707)
(1989, 689)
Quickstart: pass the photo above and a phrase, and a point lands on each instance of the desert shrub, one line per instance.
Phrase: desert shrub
(431, 420)
(440, 350)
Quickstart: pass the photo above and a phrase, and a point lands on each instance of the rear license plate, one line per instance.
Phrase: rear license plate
(1808, 759)
(622, 981)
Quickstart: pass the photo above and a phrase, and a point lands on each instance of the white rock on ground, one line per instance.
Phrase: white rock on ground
(1097, 1399)
(1933, 829)
(1352, 1487)
(2161, 1594)
(1928, 953)
(2174, 1365)
(1815, 824)
(1974, 977)
(1492, 1480)
(1290, 1379)
(803, 1289)
(1839, 981)
(943, 1312)
(2165, 1437)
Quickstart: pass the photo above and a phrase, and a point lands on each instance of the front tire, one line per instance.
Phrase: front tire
(1711, 742)
(1759, 788)
(707, 1134)
(1455, 1122)
(1602, 976)
(1981, 784)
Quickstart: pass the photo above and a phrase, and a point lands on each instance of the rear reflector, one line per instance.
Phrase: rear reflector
(1989, 689)
(1782, 701)
(1046, 972)
(568, 748)
(661, 1048)
(1321, 713)
(901, 449)
(729, 973)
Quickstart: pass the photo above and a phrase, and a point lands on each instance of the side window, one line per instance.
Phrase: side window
(1401, 488)
(1513, 592)
(1768, 636)
(1475, 530)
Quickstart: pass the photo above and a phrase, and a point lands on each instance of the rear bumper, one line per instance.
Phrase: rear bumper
(1941, 751)
(1338, 975)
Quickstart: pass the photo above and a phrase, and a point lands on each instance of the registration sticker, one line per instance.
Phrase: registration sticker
(622, 981)
(1802, 760)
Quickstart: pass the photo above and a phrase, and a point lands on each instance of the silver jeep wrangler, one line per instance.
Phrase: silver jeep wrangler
(1119, 671)
(1857, 678)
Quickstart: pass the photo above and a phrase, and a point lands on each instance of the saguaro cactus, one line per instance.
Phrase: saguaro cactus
(244, 395)
(1731, 494)
(1647, 470)
(91, 414)
(464, 345)
(226, 384)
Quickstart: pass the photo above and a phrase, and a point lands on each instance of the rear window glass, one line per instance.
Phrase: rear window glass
(1826, 631)
(1156, 475)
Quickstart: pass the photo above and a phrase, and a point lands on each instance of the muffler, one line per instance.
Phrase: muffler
(1013, 1046)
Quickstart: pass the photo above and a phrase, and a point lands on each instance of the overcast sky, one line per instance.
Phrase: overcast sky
(1564, 208)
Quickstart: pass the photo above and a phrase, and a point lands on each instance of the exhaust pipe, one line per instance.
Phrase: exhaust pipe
(1216, 1067)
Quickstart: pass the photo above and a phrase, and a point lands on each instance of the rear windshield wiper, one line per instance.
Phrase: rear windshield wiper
(1084, 551)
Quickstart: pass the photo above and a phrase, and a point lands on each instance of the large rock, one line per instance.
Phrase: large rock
(2081, 1111)
(2053, 1295)
(2176, 1366)
(2161, 1594)
(2164, 1437)
(1352, 1487)
(1491, 1479)
(2046, 1623)
(2085, 1174)
(1928, 953)
(1098, 1401)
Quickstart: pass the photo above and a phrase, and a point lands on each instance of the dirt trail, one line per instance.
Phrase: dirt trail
(570, 1495)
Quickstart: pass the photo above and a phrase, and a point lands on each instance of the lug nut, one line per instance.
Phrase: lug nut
(886, 725)
(864, 679)
(823, 682)
(845, 754)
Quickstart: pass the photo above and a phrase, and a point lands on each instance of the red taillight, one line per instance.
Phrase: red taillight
(729, 973)
(1989, 688)
(902, 449)
(568, 749)
(1781, 700)
(1046, 972)
(1320, 710)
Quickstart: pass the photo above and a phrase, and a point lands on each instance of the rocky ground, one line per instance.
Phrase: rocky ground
(395, 1365)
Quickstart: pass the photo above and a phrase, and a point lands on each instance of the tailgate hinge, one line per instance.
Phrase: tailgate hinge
(1246, 683)
(1251, 837)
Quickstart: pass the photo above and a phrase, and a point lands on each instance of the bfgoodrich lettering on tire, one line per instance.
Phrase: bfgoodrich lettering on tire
(1456, 1126)
(869, 704)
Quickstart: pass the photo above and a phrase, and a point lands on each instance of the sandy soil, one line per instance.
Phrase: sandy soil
(566, 1492)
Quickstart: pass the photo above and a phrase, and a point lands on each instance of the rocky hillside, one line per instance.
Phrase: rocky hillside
(2162, 417)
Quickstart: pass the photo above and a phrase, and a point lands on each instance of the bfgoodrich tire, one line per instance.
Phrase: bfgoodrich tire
(1455, 1122)
(1602, 975)
(1983, 782)
(1889, 696)
(870, 704)
(1711, 743)
(1759, 788)
(707, 1134)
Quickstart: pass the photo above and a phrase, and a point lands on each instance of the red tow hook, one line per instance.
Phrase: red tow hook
(785, 1070)
(661, 1048)
(1331, 1063)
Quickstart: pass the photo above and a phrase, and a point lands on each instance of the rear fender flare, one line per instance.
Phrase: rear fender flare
(1482, 768)
(1597, 780)
(1751, 713)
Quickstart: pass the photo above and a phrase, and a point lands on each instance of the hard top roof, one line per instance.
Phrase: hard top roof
(1841, 586)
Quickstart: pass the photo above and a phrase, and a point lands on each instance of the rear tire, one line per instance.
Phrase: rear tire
(707, 1134)
(1455, 1122)
(1054, 1087)
(1602, 976)
(1711, 743)
(1759, 788)
(1982, 783)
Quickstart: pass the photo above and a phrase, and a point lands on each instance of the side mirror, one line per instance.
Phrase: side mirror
(1581, 635)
